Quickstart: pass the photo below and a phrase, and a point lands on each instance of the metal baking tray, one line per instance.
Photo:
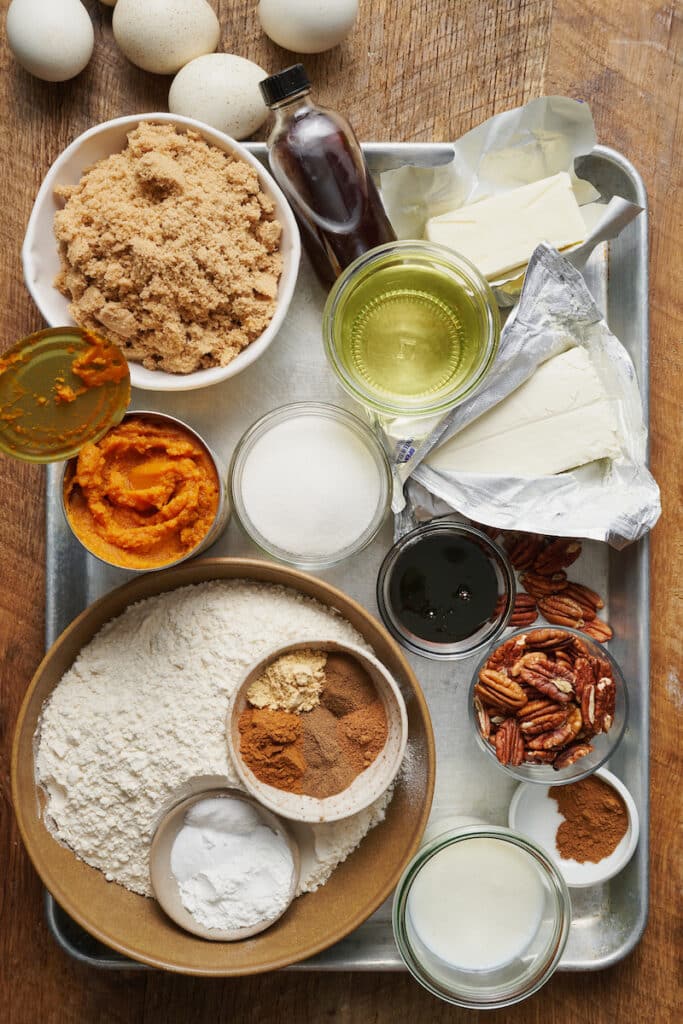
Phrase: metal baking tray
(608, 920)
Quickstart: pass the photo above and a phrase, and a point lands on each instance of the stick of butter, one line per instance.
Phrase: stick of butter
(500, 234)
(560, 418)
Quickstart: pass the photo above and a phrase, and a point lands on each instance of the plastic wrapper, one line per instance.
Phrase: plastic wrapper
(511, 149)
(614, 500)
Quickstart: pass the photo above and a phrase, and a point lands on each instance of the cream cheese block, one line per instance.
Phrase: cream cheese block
(560, 418)
(500, 234)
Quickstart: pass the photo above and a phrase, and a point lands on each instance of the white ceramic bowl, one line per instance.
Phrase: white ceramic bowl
(40, 256)
(535, 814)
(367, 786)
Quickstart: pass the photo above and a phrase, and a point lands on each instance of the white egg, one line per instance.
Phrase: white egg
(54, 40)
(307, 26)
(220, 89)
(163, 35)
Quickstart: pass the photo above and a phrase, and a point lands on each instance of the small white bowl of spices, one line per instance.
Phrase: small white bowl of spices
(317, 731)
(590, 827)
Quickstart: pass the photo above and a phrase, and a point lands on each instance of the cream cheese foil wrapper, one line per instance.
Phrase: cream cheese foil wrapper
(614, 500)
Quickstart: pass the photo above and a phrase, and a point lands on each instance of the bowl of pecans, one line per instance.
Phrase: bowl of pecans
(550, 705)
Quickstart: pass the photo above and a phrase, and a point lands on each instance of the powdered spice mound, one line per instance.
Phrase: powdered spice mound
(596, 820)
(170, 249)
(271, 745)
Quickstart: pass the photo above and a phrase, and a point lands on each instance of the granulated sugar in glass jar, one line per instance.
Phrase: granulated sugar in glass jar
(311, 484)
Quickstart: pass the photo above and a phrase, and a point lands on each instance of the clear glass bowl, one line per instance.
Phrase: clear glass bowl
(522, 973)
(311, 559)
(482, 638)
(465, 303)
(605, 743)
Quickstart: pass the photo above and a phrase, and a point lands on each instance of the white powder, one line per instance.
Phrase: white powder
(311, 486)
(233, 871)
(142, 710)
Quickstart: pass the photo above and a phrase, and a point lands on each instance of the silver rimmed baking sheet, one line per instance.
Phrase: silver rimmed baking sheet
(608, 920)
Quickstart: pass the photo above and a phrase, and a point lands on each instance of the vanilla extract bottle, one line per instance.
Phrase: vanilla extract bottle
(317, 161)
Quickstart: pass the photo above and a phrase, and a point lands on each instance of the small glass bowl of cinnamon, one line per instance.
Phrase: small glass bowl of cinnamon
(317, 730)
(548, 705)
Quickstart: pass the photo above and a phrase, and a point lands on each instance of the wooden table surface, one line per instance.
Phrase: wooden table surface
(426, 70)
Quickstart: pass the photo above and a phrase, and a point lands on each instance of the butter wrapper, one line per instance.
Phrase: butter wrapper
(511, 149)
(614, 500)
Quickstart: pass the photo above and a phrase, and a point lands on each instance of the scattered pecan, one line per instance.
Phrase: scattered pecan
(490, 531)
(524, 612)
(523, 549)
(499, 691)
(543, 586)
(571, 754)
(509, 743)
(561, 611)
(584, 596)
(559, 554)
(598, 630)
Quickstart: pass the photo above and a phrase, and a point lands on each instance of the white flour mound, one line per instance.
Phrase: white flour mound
(143, 708)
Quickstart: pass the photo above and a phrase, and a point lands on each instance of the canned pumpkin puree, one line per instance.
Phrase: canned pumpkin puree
(147, 495)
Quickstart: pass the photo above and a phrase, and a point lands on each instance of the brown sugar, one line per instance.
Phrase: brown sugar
(171, 250)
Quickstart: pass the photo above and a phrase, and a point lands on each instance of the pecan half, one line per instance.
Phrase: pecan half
(588, 707)
(508, 653)
(543, 586)
(605, 704)
(524, 612)
(552, 740)
(584, 676)
(540, 756)
(571, 754)
(550, 678)
(559, 554)
(561, 610)
(543, 723)
(509, 743)
(599, 630)
(584, 596)
(499, 691)
(548, 639)
(482, 718)
(523, 549)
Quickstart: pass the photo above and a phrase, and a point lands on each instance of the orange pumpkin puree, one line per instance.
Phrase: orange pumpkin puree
(144, 495)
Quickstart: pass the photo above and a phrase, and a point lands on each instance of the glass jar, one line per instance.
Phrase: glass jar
(290, 493)
(604, 744)
(492, 560)
(431, 940)
(411, 329)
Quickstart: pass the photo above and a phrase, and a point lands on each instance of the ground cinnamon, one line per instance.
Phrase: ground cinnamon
(596, 820)
(271, 744)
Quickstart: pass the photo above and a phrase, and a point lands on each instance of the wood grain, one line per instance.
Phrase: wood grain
(415, 70)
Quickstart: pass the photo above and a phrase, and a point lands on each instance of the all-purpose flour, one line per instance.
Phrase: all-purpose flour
(143, 709)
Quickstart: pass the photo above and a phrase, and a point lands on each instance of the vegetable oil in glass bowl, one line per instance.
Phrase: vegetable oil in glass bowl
(411, 329)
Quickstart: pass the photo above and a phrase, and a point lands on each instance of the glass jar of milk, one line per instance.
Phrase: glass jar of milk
(481, 916)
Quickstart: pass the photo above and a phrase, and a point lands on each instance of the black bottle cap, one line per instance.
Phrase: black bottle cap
(285, 83)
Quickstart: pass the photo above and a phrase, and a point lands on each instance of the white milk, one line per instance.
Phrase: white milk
(477, 904)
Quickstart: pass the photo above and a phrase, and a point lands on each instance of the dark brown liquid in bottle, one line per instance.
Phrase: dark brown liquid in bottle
(318, 163)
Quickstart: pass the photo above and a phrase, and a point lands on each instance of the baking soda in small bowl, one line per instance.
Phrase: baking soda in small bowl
(311, 484)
